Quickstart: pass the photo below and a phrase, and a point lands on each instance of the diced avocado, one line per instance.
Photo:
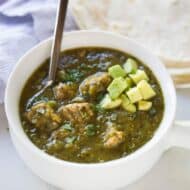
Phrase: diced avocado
(138, 76)
(130, 66)
(116, 87)
(129, 82)
(127, 105)
(108, 103)
(116, 71)
(146, 90)
(134, 95)
(125, 101)
(144, 105)
(131, 108)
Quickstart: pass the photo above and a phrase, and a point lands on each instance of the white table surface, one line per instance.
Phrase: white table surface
(171, 172)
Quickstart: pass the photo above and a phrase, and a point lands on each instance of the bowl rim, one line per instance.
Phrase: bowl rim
(143, 149)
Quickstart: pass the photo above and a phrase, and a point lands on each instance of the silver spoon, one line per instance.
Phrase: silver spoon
(55, 51)
(56, 46)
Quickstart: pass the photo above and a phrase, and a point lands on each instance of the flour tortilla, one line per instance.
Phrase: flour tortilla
(161, 26)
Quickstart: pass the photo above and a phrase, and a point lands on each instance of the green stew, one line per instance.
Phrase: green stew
(104, 105)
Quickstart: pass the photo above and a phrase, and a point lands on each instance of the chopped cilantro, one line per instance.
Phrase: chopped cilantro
(73, 75)
(70, 140)
(67, 126)
(98, 108)
(91, 129)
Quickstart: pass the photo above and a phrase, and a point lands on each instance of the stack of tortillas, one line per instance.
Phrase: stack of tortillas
(161, 26)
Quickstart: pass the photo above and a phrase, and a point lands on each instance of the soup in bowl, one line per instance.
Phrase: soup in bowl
(103, 105)
(103, 123)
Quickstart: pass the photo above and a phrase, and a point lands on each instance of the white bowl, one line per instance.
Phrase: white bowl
(109, 175)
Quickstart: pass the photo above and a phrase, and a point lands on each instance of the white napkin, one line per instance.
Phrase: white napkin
(23, 23)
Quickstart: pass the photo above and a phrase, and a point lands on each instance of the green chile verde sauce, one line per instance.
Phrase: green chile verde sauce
(84, 142)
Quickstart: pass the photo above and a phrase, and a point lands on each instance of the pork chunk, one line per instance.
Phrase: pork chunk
(64, 90)
(43, 116)
(77, 113)
(60, 134)
(95, 84)
(113, 138)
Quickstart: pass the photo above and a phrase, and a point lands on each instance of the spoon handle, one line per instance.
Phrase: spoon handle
(55, 51)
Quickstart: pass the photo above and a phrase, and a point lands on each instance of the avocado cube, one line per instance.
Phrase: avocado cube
(131, 108)
(134, 95)
(130, 66)
(129, 82)
(138, 76)
(127, 105)
(125, 101)
(116, 87)
(144, 105)
(146, 90)
(116, 71)
(108, 103)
